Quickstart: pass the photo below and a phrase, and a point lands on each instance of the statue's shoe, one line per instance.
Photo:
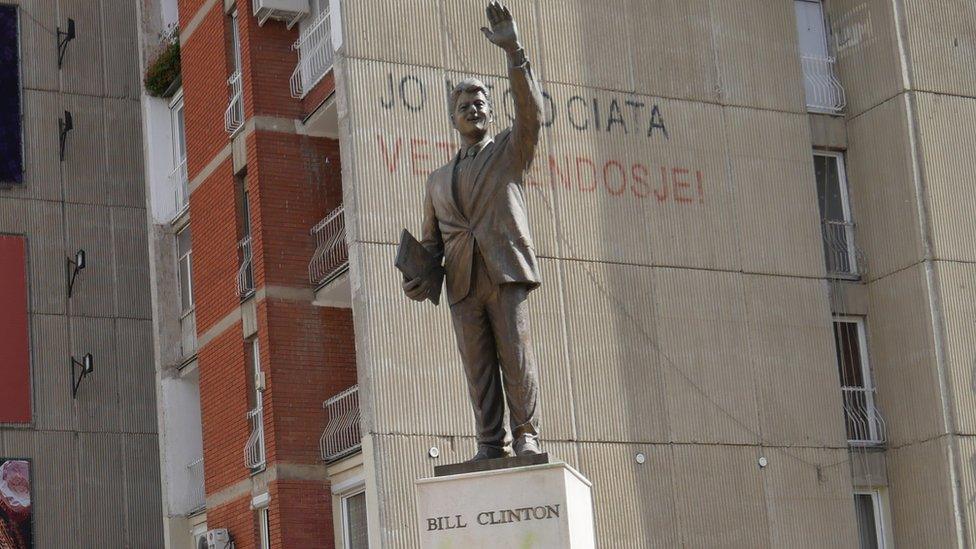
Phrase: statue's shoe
(489, 452)
(526, 446)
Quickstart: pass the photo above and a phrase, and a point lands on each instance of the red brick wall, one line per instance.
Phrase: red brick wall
(307, 353)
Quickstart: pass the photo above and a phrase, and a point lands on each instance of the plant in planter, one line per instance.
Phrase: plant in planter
(164, 71)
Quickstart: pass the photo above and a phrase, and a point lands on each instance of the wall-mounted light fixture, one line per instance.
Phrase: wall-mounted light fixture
(63, 38)
(65, 125)
(87, 365)
(75, 265)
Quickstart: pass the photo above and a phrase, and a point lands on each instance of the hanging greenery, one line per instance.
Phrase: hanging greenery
(165, 69)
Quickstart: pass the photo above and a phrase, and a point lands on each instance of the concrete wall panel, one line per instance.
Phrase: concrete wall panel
(705, 356)
(42, 177)
(123, 136)
(798, 383)
(619, 482)
(54, 409)
(719, 500)
(143, 501)
(957, 284)
(137, 388)
(122, 78)
(101, 487)
(97, 403)
(941, 40)
(414, 35)
(807, 489)
(865, 41)
(619, 392)
(775, 192)
(757, 55)
(83, 70)
(39, 49)
(84, 167)
(882, 190)
(943, 124)
(467, 50)
(45, 242)
(90, 228)
(920, 495)
(902, 350)
(131, 259)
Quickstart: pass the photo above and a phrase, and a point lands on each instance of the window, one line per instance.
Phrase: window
(184, 253)
(234, 115)
(840, 254)
(15, 388)
(354, 526)
(179, 179)
(11, 136)
(824, 92)
(871, 523)
(254, 457)
(865, 426)
(264, 518)
(245, 274)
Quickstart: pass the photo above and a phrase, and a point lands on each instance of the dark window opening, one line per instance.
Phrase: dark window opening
(11, 136)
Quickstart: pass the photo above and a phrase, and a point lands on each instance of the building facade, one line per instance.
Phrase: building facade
(752, 221)
(79, 463)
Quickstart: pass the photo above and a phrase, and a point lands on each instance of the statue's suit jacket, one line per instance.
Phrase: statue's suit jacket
(496, 220)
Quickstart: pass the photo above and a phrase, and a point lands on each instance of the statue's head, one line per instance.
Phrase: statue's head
(470, 108)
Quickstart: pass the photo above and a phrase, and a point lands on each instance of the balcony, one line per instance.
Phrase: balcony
(197, 495)
(180, 182)
(245, 274)
(342, 436)
(331, 257)
(823, 90)
(289, 11)
(315, 55)
(865, 426)
(254, 448)
(842, 257)
(234, 115)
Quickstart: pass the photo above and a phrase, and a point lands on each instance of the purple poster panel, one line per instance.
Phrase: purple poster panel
(16, 524)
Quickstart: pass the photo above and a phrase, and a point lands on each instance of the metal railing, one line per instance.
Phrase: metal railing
(197, 494)
(315, 55)
(181, 188)
(841, 255)
(865, 426)
(254, 448)
(824, 91)
(245, 274)
(342, 435)
(234, 115)
(331, 257)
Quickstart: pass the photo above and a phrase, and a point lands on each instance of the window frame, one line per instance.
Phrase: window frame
(189, 275)
(840, 161)
(344, 498)
(177, 105)
(880, 510)
(867, 375)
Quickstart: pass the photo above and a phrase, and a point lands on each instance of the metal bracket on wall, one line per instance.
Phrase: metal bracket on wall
(63, 38)
(87, 364)
(65, 125)
(75, 265)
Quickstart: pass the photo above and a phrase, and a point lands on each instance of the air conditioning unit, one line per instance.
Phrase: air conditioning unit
(289, 11)
(219, 539)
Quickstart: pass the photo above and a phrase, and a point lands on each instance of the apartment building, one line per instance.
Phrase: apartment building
(79, 462)
(752, 220)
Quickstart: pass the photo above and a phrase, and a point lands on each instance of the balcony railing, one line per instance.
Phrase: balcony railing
(865, 426)
(331, 257)
(823, 89)
(342, 435)
(234, 115)
(842, 257)
(181, 188)
(197, 495)
(245, 274)
(315, 55)
(254, 449)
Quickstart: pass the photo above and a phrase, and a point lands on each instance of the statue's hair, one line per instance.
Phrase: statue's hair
(468, 85)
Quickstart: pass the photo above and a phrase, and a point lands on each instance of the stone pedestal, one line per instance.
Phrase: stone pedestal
(538, 506)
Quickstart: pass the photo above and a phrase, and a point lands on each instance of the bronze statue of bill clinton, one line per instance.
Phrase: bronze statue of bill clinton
(475, 219)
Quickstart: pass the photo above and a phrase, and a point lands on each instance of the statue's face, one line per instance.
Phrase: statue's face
(472, 114)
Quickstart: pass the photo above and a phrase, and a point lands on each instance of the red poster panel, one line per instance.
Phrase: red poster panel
(15, 384)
